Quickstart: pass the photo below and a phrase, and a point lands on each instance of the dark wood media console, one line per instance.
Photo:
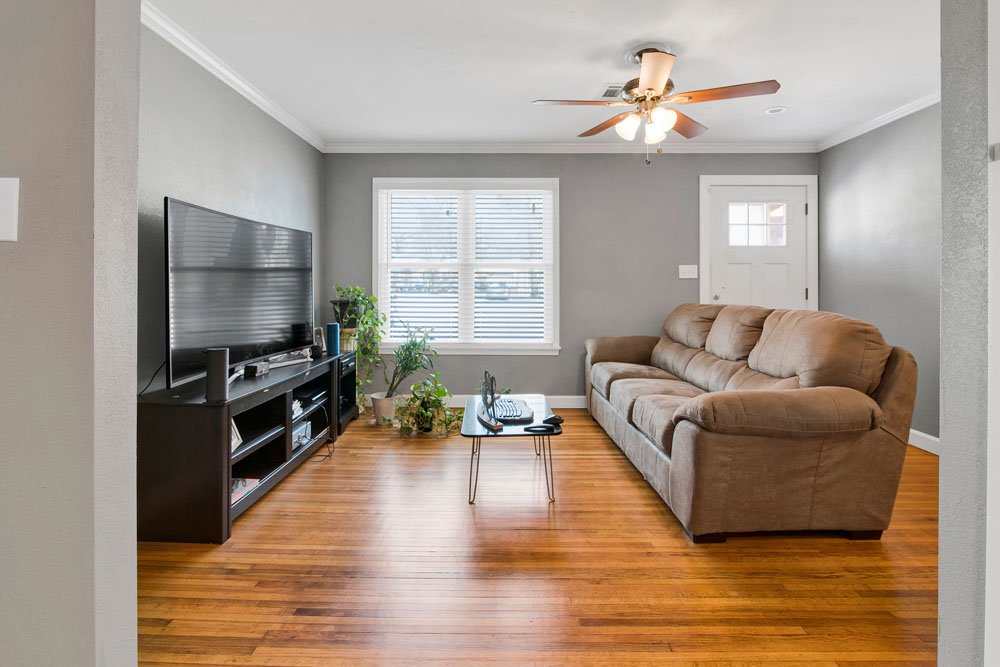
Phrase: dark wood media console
(186, 464)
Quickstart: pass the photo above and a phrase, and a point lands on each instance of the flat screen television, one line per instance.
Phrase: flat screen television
(233, 283)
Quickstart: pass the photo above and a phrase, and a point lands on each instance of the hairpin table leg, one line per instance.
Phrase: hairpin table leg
(474, 469)
(538, 444)
(550, 482)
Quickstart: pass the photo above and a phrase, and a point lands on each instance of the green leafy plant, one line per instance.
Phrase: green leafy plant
(426, 410)
(355, 305)
(413, 355)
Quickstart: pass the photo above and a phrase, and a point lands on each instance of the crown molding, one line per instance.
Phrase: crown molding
(877, 122)
(163, 26)
(574, 148)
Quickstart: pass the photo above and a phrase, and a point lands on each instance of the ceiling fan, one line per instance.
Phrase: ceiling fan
(652, 91)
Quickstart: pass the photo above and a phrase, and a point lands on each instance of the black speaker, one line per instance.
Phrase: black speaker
(217, 382)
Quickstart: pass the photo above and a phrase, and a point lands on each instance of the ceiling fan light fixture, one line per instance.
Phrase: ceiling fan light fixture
(663, 119)
(628, 126)
(654, 134)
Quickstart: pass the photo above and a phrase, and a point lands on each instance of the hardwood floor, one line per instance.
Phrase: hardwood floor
(375, 556)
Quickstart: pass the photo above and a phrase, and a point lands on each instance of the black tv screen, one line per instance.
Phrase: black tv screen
(233, 283)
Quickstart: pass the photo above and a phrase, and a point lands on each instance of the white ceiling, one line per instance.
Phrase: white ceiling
(460, 71)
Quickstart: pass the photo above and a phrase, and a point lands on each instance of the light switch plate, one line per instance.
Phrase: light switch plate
(9, 189)
(687, 270)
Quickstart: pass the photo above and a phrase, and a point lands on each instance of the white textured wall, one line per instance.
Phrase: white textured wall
(992, 618)
(116, 163)
(46, 335)
(964, 339)
(67, 565)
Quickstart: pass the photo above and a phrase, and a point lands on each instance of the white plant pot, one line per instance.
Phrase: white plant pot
(384, 408)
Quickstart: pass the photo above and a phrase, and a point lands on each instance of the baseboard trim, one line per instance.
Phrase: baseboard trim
(458, 401)
(928, 443)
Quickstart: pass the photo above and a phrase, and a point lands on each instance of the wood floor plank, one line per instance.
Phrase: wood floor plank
(375, 556)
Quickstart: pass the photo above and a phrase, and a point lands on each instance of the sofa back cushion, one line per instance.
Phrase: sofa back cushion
(690, 323)
(736, 331)
(709, 372)
(820, 349)
(681, 347)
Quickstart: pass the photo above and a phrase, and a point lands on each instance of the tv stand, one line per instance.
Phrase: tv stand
(187, 462)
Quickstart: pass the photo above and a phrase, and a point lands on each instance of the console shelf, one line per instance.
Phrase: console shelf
(249, 447)
(186, 464)
(309, 410)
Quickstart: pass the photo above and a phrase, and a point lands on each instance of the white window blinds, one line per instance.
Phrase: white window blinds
(472, 261)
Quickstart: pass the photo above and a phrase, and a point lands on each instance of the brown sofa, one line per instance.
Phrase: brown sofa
(747, 419)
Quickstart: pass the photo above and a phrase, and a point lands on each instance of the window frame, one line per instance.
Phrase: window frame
(382, 184)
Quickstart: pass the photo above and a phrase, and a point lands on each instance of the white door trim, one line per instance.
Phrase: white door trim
(811, 183)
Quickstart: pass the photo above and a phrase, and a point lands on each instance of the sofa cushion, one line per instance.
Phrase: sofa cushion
(654, 417)
(736, 331)
(709, 372)
(689, 324)
(625, 392)
(603, 373)
(747, 379)
(684, 334)
(822, 349)
(673, 357)
(787, 413)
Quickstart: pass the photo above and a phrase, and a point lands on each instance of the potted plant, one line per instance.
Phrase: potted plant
(350, 307)
(411, 356)
(427, 410)
(358, 313)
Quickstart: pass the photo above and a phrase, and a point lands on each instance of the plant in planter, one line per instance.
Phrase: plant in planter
(361, 320)
(413, 355)
(427, 410)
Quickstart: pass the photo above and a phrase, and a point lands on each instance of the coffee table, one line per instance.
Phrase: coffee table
(471, 428)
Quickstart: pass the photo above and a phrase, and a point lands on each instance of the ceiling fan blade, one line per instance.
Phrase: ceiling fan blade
(654, 70)
(687, 127)
(726, 92)
(611, 122)
(589, 103)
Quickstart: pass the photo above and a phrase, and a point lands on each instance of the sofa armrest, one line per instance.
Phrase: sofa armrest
(629, 349)
(791, 412)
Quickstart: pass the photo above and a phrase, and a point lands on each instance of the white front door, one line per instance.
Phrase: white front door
(758, 246)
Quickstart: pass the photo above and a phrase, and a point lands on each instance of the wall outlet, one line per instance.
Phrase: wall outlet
(687, 270)
(9, 188)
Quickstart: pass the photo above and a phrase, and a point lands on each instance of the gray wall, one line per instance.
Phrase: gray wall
(964, 335)
(202, 142)
(880, 238)
(67, 333)
(623, 229)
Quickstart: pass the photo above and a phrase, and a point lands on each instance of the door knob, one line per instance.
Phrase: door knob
(715, 297)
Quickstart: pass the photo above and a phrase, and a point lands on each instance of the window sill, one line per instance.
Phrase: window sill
(482, 349)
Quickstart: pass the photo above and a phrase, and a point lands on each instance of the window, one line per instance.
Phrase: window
(472, 261)
(757, 224)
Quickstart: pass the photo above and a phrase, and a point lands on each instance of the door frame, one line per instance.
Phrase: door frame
(811, 183)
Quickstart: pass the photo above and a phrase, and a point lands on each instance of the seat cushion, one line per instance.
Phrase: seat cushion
(625, 392)
(654, 417)
(603, 373)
